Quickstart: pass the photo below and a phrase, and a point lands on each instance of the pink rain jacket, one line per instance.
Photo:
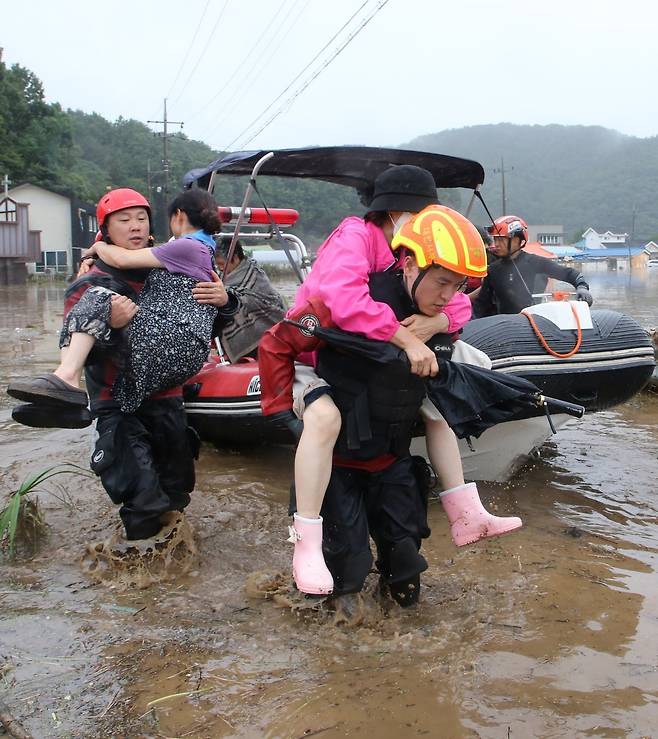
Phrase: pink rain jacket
(339, 278)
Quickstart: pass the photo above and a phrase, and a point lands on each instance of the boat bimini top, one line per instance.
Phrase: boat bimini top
(354, 166)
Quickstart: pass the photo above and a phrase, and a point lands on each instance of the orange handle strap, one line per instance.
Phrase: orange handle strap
(544, 343)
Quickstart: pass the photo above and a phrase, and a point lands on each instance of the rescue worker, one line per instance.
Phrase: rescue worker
(376, 488)
(516, 275)
(145, 459)
(357, 248)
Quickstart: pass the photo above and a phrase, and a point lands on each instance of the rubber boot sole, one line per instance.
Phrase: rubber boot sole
(40, 415)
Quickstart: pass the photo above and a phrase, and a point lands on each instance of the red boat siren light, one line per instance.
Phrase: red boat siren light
(258, 216)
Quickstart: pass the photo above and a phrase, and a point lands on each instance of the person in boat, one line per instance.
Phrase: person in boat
(517, 276)
(310, 396)
(255, 303)
(145, 456)
(377, 488)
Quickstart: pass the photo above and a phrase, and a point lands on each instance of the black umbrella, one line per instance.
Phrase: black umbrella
(470, 398)
(473, 399)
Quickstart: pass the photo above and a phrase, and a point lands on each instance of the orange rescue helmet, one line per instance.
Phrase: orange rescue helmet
(509, 226)
(441, 236)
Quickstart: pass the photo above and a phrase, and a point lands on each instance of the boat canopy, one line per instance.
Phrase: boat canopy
(354, 166)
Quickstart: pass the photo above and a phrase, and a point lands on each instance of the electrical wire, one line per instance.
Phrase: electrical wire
(231, 76)
(242, 89)
(205, 48)
(292, 82)
(292, 99)
(189, 48)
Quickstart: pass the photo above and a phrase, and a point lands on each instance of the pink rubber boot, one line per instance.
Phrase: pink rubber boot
(469, 520)
(308, 565)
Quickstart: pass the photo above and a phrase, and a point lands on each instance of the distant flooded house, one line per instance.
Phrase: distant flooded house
(651, 250)
(608, 239)
(66, 226)
(611, 250)
(617, 257)
(19, 244)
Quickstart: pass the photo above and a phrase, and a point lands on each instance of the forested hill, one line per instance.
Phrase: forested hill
(84, 154)
(572, 175)
(577, 176)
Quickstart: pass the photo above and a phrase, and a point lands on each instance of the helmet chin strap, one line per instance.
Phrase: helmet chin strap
(509, 248)
(414, 287)
(511, 253)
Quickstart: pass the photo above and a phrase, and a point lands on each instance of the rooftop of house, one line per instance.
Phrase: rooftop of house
(613, 251)
(534, 247)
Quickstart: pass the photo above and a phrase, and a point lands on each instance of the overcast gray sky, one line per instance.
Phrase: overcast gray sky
(417, 67)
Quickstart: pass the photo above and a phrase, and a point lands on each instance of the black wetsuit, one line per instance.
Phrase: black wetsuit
(510, 284)
(145, 459)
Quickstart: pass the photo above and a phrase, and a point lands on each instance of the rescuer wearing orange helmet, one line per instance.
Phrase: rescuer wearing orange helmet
(517, 275)
(377, 488)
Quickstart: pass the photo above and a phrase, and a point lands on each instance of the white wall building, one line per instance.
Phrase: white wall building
(546, 235)
(50, 213)
(595, 240)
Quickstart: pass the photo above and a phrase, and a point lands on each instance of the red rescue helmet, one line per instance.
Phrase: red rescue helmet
(120, 199)
(509, 226)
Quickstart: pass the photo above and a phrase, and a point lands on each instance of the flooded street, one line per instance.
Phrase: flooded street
(550, 632)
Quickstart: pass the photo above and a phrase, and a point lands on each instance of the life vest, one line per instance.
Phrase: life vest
(113, 279)
(101, 365)
(378, 403)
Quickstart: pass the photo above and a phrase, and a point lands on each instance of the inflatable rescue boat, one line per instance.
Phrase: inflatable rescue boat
(595, 359)
(614, 361)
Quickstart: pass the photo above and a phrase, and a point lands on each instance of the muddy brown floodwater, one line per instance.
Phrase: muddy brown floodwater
(551, 632)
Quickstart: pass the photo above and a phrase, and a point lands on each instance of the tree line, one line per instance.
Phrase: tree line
(576, 176)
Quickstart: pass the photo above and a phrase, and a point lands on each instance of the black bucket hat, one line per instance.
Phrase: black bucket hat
(405, 188)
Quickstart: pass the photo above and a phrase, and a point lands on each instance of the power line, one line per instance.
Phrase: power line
(189, 48)
(205, 48)
(239, 65)
(243, 88)
(283, 92)
(292, 99)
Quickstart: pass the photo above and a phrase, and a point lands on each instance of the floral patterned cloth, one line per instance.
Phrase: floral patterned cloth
(166, 343)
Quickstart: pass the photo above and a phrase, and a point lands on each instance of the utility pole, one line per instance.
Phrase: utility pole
(165, 135)
(632, 237)
(502, 171)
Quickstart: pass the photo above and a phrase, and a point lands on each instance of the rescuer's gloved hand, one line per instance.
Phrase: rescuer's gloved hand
(584, 294)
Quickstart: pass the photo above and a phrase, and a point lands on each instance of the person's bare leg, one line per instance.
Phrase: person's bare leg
(314, 455)
(313, 462)
(443, 451)
(73, 358)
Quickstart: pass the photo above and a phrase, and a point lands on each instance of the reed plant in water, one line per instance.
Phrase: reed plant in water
(22, 514)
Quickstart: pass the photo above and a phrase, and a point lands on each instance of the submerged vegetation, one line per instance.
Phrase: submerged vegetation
(21, 519)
